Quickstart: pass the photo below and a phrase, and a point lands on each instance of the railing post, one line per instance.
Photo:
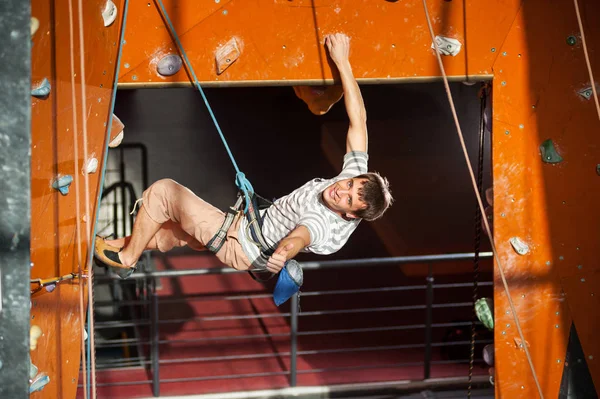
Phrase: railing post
(293, 339)
(154, 350)
(428, 321)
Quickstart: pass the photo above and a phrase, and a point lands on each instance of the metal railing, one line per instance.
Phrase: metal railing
(154, 323)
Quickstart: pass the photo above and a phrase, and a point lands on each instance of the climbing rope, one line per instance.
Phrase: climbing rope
(587, 57)
(77, 199)
(477, 245)
(91, 356)
(240, 179)
(479, 201)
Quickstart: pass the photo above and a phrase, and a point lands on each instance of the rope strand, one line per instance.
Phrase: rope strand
(240, 179)
(480, 203)
(587, 57)
(477, 237)
(90, 274)
(77, 198)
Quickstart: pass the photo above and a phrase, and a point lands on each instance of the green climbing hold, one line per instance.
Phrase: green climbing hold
(484, 312)
(571, 40)
(549, 154)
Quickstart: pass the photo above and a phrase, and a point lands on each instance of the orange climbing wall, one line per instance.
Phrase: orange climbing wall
(281, 41)
(552, 207)
(53, 216)
(536, 75)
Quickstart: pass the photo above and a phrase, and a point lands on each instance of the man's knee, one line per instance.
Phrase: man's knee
(162, 187)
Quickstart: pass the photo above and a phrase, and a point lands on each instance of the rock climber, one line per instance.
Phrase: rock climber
(318, 217)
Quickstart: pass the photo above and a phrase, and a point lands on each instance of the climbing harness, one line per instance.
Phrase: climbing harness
(480, 203)
(290, 278)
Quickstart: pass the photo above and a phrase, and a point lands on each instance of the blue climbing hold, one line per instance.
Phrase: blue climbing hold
(42, 90)
(62, 184)
(288, 283)
(39, 383)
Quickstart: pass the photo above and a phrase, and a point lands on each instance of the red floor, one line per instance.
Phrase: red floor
(263, 355)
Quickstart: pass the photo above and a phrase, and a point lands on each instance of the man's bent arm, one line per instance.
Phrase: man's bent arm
(294, 242)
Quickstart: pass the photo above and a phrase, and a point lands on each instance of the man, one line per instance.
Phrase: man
(318, 217)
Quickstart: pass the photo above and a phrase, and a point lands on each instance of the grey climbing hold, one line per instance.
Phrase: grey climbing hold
(42, 90)
(549, 153)
(447, 45)
(488, 354)
(110, 13)
(62, 184)
(519, 246)
(39, 383)
(169, 65)
(586, 92)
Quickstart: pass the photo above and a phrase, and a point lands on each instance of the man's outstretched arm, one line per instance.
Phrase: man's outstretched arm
(339, 50)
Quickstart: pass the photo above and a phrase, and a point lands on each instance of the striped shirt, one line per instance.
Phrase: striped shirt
(304, 207)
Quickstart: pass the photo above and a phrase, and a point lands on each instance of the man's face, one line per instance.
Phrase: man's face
(342, 197)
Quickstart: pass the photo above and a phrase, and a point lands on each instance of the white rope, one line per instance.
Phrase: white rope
(77, 200)
(87, 200)
(485, 221)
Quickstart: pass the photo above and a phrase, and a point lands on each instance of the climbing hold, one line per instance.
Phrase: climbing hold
(50, 287)
(483, 310)
(227, 55)
(571, 40)
(586, 92)
(549, 153)
(85, 335)
(34, 334)
(62, 184)
(519, 246)
(39, 383)
(319, 99)
(116, 141)
(42, 90)
(116, 132)
(169, 65)
(488, 354)
(33, 370)
(110, 13)
(91, 165)
(35, 24)
(447, 45)
(598, 169)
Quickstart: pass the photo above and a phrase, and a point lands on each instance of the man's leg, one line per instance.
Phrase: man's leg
(171, 215)
(144, 230)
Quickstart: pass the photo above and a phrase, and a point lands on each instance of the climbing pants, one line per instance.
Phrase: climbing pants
(187, 220)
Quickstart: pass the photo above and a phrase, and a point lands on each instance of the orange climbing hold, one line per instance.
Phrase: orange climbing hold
(319, 99)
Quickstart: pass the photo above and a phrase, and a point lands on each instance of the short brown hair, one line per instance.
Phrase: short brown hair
(375, 192)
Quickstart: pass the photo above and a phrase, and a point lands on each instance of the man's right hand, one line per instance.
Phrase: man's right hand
(277, 261)
(338, 45)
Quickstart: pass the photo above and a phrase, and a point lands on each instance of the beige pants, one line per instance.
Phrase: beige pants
(188, 220)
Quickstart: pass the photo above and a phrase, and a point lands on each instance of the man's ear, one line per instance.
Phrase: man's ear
(351, 215)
